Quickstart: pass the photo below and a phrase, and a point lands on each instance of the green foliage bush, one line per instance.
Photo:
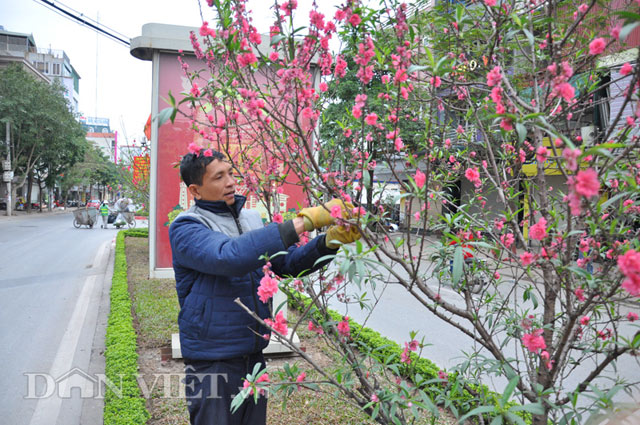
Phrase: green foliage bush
(172, 215)
(137, 233)
(127, 407)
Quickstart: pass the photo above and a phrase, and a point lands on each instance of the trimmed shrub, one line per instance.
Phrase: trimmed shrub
(123, 404)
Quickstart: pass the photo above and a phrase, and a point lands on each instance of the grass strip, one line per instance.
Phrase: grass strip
(124, 403)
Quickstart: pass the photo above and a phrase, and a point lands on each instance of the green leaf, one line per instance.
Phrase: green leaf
(514, 419)
(529, 36)
(459, 13)
(277, 38)
(533, 408)
(477, 411)
(628, 16)
(415, 68)
(366, 179)
(432, 62)
(439, 64)
(522, 132)
(626, 30)
(608, 202)
(509, 390)
(458, 261)
(164, 115)
(497, 421)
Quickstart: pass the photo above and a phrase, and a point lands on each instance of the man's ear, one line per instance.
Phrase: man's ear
(194, 189)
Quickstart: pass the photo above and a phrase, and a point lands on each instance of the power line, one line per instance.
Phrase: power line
(73, 15)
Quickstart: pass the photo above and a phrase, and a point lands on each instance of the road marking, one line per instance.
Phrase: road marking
(48, 409)
(100, 258)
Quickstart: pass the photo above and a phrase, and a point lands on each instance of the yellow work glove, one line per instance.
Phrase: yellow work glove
(316, 217)
(338, 235)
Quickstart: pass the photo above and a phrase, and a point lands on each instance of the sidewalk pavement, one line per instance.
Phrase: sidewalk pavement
(34, 213)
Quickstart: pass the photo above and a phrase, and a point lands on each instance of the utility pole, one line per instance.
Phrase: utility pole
(8, 173)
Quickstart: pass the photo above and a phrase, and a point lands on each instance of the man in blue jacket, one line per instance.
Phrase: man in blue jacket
(216, 246)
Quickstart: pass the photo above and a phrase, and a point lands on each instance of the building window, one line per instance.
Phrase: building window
(55, 69)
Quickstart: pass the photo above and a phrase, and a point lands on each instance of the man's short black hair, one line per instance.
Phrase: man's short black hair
(193, 167)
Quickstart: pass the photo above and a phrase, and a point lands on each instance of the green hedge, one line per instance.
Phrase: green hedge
(127, 407)
(137, 233)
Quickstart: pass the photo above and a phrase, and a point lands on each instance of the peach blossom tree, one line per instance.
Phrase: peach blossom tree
(523, 170)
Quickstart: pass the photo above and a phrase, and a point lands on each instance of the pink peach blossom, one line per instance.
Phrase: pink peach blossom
(526, 258)
(371, 118)
(597, 46)
(343, 327)
(587, 183)
(539, 230)
(420, 178)
(629, 265)
(494, 77)
(534, 341)
(542, 153)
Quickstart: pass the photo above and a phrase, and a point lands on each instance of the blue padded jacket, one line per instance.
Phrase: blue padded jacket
(216, 250)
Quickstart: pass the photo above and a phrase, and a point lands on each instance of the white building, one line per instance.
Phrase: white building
(55, 64)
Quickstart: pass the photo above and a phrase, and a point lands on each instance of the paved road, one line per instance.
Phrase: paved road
(397, 313)
(52, 284)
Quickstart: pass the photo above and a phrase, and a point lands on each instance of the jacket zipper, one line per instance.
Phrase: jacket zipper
(254, 290)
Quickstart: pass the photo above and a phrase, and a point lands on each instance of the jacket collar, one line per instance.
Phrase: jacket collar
(221, 207)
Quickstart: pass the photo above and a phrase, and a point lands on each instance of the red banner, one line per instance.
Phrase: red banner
(140, 169)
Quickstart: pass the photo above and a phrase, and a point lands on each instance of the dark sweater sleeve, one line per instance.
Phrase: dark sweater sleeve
(288, 233)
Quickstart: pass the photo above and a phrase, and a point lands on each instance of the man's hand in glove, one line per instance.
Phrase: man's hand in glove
(316, 217)
(338, 235)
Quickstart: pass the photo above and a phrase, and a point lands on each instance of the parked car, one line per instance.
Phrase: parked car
(94, 203)
(3, 203)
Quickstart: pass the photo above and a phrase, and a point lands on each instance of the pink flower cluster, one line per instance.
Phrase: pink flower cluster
(629, 265)
(405, 357)
(420, 178)
(366, 52)
(560, 83)
(571, 157)
(534, 341)
(585, 184)
(597, 46)
(494, 77)
(539, 230)
(473, 175)
(206, 31)
(361, 99)
(316, 329)
(247, 384)
(343, 327)
(268, 286)
(279, 324)
(526, 258)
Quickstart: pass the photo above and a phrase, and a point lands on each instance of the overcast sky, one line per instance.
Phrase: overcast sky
(114, 84)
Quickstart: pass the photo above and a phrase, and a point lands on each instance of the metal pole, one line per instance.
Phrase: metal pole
(9, 200)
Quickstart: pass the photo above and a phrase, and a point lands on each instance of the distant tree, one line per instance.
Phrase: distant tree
(43, 131)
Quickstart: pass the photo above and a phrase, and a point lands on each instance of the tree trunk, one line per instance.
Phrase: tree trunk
(541, 419)
(29, 189)
(40, 200)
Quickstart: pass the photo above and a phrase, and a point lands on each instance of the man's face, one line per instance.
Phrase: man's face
(218, 183)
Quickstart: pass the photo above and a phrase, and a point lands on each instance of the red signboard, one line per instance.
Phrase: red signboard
(173, 141)
(140, 169)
